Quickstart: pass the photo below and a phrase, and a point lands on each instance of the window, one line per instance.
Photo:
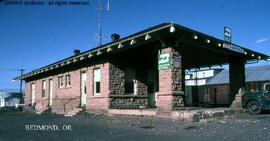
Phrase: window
(68, 80)
(267, 86)
(97, 81)
(43, 91)
(130, 85)
(60, 81)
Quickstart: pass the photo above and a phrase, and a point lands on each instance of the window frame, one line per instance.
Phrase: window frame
(43, 88)
(265, 85)
(96, 82)
(61, 82)
(68, 80)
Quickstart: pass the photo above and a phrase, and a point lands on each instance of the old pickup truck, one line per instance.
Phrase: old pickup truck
(256, 102)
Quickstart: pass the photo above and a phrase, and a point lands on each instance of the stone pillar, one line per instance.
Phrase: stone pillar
(236, 76)
(170, 95)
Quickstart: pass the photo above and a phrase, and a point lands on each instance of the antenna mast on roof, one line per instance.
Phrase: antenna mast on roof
(100, 22)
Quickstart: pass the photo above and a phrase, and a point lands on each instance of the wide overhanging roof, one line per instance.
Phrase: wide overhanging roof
(151, 34)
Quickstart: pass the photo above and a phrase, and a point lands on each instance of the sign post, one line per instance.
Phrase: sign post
(228, 39)
(227, 34)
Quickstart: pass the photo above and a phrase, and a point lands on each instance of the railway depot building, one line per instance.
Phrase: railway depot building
(141, 71)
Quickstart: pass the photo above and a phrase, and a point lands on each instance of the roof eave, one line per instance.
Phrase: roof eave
(106, 48)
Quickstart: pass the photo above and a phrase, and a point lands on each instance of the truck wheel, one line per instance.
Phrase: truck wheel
(254, 108)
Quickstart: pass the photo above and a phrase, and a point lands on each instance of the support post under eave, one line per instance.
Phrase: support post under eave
(236, 76)
(21, 93)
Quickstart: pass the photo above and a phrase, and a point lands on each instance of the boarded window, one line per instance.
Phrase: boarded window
(97, 76)
(43, 91)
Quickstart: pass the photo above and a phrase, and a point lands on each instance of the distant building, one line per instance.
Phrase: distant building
(2, 102)
(9, 98)
(201, 77)
(217, 89)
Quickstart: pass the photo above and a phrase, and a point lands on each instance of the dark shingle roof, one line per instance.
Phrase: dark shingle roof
(258, 73)
(141, 35)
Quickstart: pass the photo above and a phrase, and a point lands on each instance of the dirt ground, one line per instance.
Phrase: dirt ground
(90, 127)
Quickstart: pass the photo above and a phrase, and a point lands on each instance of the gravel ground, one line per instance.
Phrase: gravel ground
(237, 127)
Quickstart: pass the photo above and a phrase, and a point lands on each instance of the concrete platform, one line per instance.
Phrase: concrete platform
(188, 113)
(133, 112)
(196, 113)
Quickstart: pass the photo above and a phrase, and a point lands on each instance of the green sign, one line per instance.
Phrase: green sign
(164, 61)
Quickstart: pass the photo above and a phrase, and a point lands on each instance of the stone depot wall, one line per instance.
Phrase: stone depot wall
(118, 98)
(116, 80)
(128, 102)
(141, 61)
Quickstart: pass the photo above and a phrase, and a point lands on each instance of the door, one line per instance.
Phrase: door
(83, 88)
(50, 92)
(33, 94)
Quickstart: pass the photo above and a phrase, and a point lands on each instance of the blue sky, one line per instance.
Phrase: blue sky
(34, 36)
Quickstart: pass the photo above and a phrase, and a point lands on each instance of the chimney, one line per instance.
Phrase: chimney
(115, 37)
(76, 52)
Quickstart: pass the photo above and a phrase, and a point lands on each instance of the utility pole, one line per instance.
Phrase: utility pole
(21, 94)
(100, 21)
(21, 73)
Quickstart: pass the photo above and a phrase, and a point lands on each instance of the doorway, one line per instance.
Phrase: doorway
(50, 92)
(33, 94)
(151, 89)
(83, 88)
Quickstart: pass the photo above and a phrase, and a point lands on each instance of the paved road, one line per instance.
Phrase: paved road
(241, 127)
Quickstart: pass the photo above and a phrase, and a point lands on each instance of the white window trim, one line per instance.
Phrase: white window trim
(95, 93)
(59, 81)
(66, 80)
(43, 87)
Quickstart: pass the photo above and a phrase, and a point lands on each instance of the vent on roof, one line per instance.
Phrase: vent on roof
(76, 52)
(115, 37)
